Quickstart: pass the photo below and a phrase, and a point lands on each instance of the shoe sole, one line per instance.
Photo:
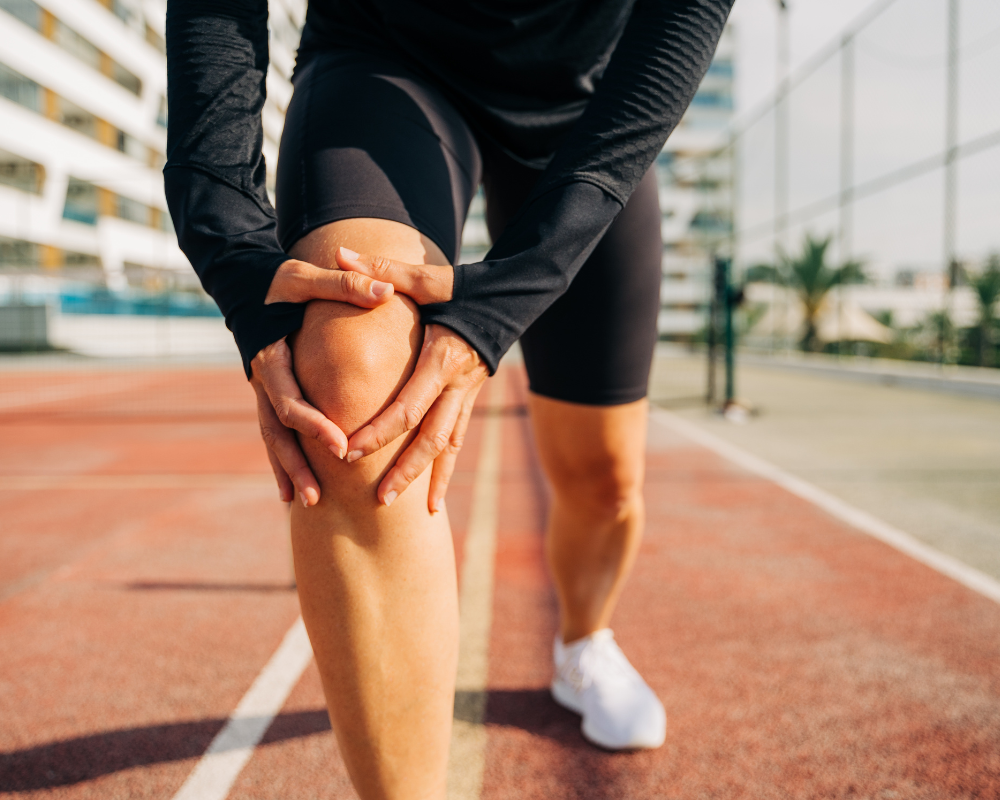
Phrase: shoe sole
(566, 697)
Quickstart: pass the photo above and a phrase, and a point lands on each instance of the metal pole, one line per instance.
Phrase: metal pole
(729, 298)
(950, 171)
(713, 316)
(781, 148)
(846, 208)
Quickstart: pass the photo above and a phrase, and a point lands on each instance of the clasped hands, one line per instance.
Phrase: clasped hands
(438, 396)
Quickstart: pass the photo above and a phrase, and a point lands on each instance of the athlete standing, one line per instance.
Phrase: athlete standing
(401, 108)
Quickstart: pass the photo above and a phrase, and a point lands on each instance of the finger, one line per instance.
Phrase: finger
(294, 412)
(299, 282)
(434, 437)
(423, 283)
(283, 447)
(411, 404)
(286, 489)
(348, 286)
(444, 464)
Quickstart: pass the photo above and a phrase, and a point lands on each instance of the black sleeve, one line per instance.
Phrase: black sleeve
(656, 68)
(215, 174)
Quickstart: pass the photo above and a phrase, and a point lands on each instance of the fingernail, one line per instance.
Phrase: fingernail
(281, 496)
(379, 288)
(389, 497)
(439, 506)
(354, 455)
(337, 451)
(302, 497)
(349, 254)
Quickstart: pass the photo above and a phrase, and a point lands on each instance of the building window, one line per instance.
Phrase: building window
(131, 146)
(81, 202)
(76, 118)
(20, 254)
(132, 210)
(710, 99)
(21, 90)
(21, 173)
(153, 38)
(85, 202)
(32, 15)
(74, 44)
(25, 10)
(721, 68)
(24, 91)
(161, 113)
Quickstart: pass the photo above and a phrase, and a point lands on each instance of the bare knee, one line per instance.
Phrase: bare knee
(351, 362)
(604, 487)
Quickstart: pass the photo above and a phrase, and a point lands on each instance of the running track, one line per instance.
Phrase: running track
(145, 584)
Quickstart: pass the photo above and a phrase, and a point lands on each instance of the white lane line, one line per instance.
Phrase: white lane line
(862, 520)
(232, 747)
(467, 760)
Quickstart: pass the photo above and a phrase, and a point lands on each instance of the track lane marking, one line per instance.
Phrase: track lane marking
(231, 749)
(969, 577)
(467, 759)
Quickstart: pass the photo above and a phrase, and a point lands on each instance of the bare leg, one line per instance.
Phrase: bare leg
(594, 457)
(377, 585)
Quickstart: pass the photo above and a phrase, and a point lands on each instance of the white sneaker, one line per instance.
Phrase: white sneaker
(594, 679)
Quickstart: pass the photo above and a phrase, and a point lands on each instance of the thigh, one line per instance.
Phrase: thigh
(364, 138)
(595, 344)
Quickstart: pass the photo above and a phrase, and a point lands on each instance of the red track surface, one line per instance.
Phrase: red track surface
(796, 657)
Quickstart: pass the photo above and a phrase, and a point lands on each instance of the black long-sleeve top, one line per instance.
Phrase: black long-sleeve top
(592, 88)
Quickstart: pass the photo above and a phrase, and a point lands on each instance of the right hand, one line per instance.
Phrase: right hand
(281, 409)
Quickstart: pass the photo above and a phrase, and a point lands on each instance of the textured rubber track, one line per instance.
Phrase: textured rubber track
(796, 656)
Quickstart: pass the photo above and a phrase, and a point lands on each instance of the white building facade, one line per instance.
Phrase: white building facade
(83, 139)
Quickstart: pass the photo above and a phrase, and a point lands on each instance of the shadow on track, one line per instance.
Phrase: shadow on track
(85, 758)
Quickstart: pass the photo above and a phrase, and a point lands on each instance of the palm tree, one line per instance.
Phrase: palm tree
(986, 285)
(811, 278)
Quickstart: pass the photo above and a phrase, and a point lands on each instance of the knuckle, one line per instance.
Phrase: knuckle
(380, 265)
(409, 472)
(354, 282)
(270, 436)
(412, 415)
(284, 411)
(381, 439)
(439, 441)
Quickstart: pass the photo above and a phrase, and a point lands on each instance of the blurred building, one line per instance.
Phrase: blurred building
(83, 218)
(83, 99)
(696, 198)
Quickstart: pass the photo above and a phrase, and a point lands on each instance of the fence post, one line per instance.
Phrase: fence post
(950, 171)
(731, 298)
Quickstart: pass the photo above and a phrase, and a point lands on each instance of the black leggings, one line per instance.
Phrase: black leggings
(365, 137)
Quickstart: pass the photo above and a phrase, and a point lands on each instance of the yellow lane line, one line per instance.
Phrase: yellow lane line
(468, 738)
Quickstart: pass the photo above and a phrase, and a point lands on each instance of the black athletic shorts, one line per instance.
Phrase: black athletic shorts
(365, 137)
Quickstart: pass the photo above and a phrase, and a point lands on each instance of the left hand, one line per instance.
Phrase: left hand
(439, 394)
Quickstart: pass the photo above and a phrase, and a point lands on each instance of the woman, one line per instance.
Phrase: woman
(401, 108)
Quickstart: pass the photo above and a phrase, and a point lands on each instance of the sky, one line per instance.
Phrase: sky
(899, 111)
